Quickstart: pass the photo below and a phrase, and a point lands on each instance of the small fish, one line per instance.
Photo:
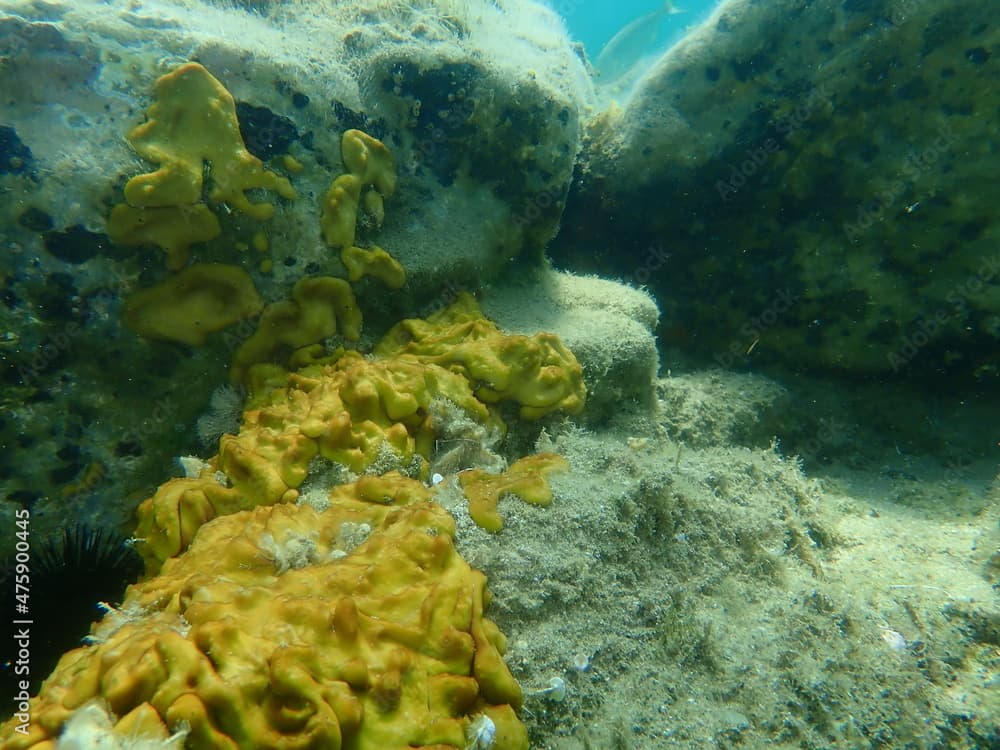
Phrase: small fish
(629, 45)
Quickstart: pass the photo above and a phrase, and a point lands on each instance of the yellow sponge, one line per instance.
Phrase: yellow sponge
(525, 478)
(369, 158)
(369, 165)
(320, 307)
(538, 372)
(374, 262)
(340, 211)
(194, 121)
(173, 228)
(347, 410)
(282, 627)
(351, 409)
(186, 307)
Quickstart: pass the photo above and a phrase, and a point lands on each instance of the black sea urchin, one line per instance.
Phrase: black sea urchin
(69, 575)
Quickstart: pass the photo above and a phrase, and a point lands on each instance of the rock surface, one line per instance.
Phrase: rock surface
(770, 180)
(480, 106)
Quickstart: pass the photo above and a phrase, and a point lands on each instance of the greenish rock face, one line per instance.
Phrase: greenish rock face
(819, 192)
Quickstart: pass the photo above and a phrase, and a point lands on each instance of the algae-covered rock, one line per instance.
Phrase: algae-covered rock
(770, 179)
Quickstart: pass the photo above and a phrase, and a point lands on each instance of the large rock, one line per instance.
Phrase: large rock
(810, 183)
(481, 107)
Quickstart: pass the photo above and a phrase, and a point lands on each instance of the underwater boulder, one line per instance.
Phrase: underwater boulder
(809, 185)
(480, 107)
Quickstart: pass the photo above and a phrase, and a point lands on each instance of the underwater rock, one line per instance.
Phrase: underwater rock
(480, 106)
(808, 184)
(608, 326)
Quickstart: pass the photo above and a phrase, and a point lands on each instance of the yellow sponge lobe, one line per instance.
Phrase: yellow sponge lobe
(193, 121)
(188, 306)
(374, 262)
(526, 478)
(320, 307)
(538, 372)
(369, 165)
(369, 158)
(173, 228)
(340, 211)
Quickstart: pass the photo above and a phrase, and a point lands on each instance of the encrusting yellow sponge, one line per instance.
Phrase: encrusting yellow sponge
(283, 627)
(369, 165)
(340, 211)
(369, 159)
(320, 307)
(327, 620)
(173, 228)
(192, 121)
(350, 409)
(188, 306)
(525, 478)
(374, 262)
(538, 372)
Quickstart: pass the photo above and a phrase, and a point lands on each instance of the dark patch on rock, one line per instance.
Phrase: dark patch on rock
(131, 448)
(75, 244)
(942, 29)
(265, 133)
(977, 55)
(351, 120)
(441, 99)
(54, 300)
(65, 474)
(68, 452)
(15, 157)
(747, 68)
(9, 298)
(913, 89)
(973, 230)
(27, 498)
(35, 220)
(965, 109)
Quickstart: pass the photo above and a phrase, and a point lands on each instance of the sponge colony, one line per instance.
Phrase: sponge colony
(192, 121)
(188, 306)
(274, 630)
(320, 307)
(369, 164)
(538, 372)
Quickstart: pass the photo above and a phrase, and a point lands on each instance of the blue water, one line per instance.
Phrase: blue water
(594, 22)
